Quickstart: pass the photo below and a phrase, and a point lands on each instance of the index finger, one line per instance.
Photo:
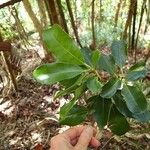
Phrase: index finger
(75, 132)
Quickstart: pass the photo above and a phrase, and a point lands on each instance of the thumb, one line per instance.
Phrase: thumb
(84, 139)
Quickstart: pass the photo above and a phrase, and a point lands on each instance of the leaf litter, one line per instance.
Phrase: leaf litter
(29, 119)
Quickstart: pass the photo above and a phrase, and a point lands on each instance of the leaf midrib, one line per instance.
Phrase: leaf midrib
(54, 37)
(132, 98)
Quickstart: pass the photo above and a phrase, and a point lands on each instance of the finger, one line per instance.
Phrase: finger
(68, 135)
(85, 138)
(73, 133)
(74, 141)
(94, 142)
(58, 139)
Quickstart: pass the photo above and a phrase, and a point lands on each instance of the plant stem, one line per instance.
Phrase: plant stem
(96, 72)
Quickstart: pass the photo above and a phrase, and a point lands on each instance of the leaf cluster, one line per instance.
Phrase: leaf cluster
(78, 70)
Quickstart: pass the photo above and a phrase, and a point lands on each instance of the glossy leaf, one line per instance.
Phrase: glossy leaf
(69, 112)
(76, 116)
(79, 82)
(137, 71)
(143, 116)
(65, 109)
(95, 58)
(94, 85)
(69, 82)
(106, 63)
(123, 109)
(80, 90)
(119, 52)
(62, 46)
(101, 109)
(52, 73)
(121, 105)
(134, 98)
(105, 113)
(86, 52)
(110, 88)
(117, 122)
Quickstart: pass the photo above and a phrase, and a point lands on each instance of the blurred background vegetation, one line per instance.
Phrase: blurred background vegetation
(94, 23)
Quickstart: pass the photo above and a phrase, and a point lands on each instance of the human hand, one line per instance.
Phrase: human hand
(77, 138)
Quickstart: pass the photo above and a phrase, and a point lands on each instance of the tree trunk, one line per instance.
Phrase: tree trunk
(72, 22)
(93, 46)
(33, 17)
(148, 18)
(48, 10)
(117, 13)
(42, 11)
(141, 18)
(38, 27)
(62, 16)
(129, 18)
(134, 29)
(53, 12)
(134, 24)
(3, 48)
(129, 38)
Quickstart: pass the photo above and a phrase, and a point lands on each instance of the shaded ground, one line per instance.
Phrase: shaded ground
(30, 120)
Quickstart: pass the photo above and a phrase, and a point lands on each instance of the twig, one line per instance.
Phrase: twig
(106, 143)
(47, 139)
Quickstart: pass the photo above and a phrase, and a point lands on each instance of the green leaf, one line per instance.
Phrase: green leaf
(143, 116)
(76, 115)
(121, 105)
(62, 46)
(69, 82)
(106, 63)
(117, 122)
(65, 109)
(134, 98)
(137, 71)
(110, 88)
(86, 52)
(80, 90)
(55, 72)
(71, 114)
(101, 109)
(105, 113)
(119, 52)
(69, 90)
(95, 57)
(94, 85)
(79, 82)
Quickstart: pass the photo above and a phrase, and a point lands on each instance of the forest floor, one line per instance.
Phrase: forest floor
(29, 118)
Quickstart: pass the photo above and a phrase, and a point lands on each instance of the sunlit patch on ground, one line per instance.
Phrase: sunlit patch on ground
(6, 107)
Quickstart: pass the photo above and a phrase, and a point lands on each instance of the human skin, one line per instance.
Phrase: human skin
(76, 138)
